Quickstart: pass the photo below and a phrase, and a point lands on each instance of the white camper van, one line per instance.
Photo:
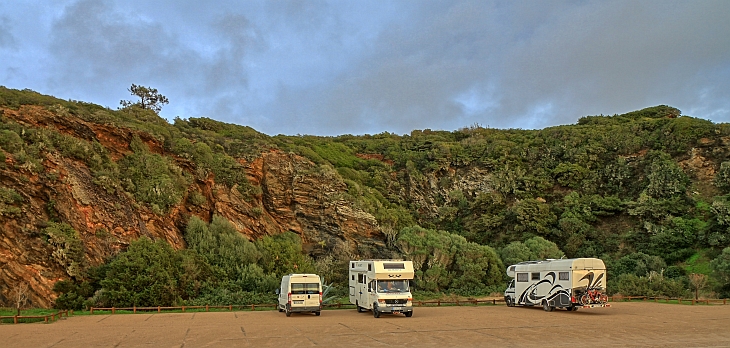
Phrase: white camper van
(300, 293)
(381, 286)
(568, 283)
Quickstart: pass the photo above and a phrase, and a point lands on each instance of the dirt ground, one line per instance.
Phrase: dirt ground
(624, 324)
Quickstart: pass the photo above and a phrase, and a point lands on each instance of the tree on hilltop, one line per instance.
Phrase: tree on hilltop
(149, 98)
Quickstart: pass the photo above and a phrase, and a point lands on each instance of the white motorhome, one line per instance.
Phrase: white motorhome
(565, 283)
(381, 286)
(300, 293)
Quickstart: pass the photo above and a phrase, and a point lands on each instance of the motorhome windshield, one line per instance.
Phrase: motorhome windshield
(304, 288)
(392, 286)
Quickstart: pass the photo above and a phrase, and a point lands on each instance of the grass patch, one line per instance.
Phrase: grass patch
(699, 263)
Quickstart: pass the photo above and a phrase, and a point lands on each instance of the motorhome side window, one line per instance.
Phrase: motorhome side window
(521, 277)
(563, 276)
(536, 276)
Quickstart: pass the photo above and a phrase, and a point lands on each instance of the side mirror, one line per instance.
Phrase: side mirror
(277, 291)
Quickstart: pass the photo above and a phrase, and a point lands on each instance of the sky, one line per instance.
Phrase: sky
(366, 67)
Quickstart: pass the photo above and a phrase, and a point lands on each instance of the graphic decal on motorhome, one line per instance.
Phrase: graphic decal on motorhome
(530, 296)
(591, 284)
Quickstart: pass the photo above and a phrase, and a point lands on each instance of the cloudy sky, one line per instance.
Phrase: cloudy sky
(357, 67)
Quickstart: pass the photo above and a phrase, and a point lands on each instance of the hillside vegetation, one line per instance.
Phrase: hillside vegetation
(646, 191)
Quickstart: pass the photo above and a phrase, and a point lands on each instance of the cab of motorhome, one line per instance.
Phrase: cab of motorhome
(300, 293)
(381, 286)
(566, 283)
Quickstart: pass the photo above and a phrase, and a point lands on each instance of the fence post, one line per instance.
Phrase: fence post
(724, 301)
(253, 307)
(693, 302)
(46, 319)
(158, 309)
(679, 300)
(439, 302)
(15, 319)
(134, 309)
(230, 308)
(91, 309)
(113, 310)
(183, 308)
(206, 308)
(53, 317)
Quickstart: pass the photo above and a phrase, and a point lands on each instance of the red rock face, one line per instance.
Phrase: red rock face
(296, 195)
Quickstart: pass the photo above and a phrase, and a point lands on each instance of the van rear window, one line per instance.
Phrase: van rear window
(304, 288)
(394, 266)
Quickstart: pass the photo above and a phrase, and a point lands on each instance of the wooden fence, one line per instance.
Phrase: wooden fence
(253, 307)
(679, 300)
(433, 303)
(53, 317)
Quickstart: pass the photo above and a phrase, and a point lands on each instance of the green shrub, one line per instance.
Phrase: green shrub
(68, 248)
(151, 178)
(153, 274)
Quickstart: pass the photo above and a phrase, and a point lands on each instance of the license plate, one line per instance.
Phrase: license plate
(397, 308)
(299, 302)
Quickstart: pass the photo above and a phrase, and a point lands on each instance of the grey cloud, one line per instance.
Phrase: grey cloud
(329, 67)
(7, 40)
(553, 64)
(102, 48)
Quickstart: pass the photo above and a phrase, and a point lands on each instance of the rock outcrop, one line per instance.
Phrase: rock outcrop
(295, 195)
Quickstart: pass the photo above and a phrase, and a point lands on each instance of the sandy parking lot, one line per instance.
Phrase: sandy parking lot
(625, 324)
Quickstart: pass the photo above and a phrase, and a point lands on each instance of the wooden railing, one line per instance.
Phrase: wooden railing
(53, 317)
(253, 307)
(679, 300)
(469, 302)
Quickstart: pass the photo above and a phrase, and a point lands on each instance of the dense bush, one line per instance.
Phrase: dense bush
(152, 178)
(444, 261)
(153, 274)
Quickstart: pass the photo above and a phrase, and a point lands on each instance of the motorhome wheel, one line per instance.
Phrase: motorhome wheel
(376, 313)
(508, 300)
(408, 314)
(317, 313)
(546, 306)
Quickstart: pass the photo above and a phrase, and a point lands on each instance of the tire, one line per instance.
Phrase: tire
(546, 306)
(288, 312)
(574, 308)
(508, 301)
(376, 313)
(317, 313)
(408, 314)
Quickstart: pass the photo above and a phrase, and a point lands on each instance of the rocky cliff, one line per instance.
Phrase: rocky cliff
(295, 195)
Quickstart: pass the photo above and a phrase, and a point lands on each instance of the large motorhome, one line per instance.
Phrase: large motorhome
(565, 283)
(300, 293)
(381, 286)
